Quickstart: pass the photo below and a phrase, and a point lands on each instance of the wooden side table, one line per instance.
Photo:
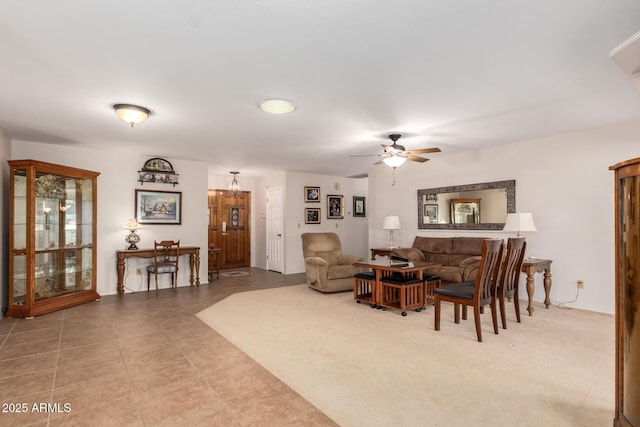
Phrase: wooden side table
(381, 252)
(214, 266)
(530, 266)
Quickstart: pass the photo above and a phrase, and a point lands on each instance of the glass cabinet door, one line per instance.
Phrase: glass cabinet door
(630, 298)
(18, 262)
(63, 235)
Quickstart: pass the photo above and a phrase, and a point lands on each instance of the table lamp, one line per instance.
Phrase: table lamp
(519, 222)
(132, 238)
(391, 223)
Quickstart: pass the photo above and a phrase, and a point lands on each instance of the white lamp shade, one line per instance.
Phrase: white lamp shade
(391, 222)
(132, 224)
(394, 161)
(519, 222)
(131, 114)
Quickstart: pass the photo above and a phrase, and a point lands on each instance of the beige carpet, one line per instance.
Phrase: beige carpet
(365, 367)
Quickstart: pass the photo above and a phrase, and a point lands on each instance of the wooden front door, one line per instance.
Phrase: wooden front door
(229, 230)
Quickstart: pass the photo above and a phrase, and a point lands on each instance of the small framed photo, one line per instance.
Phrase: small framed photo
(312, 194)
(312, 215)
(430, 213)
(359, 207)
(335, 206)
(158, 207)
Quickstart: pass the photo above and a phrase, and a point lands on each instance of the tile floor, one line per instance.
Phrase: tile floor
(143, 360)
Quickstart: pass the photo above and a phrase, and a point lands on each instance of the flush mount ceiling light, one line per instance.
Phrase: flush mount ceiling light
(131, 114)
(277, 106)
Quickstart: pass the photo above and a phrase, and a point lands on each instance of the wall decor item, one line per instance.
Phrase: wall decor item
(335, 206)
(359, 206)
(431, 213)
(159, 171)
(312, 215)
(312, 194)
(158, 207)
(498, 200)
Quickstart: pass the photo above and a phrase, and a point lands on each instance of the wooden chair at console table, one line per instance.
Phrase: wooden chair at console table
(214, 263)
(122, 255)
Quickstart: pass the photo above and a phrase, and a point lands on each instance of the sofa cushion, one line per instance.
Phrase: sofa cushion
(467, 245)
(341, 271)
(434, 245)
(446, 272)
(443, 259)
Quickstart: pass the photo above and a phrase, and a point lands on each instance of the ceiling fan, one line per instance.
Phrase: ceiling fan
(395, 154)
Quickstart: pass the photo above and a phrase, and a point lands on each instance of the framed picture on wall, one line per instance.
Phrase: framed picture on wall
(312, 215)
(312, 194)
(158, 207)
(430, 213)
(359, 207)
(335, 206)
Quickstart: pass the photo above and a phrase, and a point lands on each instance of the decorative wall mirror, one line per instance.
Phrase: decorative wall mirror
(482, 206)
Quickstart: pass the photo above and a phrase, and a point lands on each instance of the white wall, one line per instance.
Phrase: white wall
(5, 154)
(116, 193)
(353, 232)
(563, 180)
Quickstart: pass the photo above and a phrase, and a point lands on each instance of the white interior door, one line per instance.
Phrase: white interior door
(274, 229)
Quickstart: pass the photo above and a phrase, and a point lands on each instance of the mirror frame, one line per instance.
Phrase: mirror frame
(509, 186)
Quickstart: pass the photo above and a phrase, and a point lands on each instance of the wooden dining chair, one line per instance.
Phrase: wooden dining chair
(165, 261)
(510, 277)
(482, 292)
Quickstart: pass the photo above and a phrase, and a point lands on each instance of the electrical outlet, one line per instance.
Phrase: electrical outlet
(580, 284)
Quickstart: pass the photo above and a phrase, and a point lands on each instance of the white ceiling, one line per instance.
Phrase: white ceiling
(457, 74)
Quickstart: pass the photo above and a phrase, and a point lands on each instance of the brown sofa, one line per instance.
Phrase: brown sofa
(328, 270)
(459, 257)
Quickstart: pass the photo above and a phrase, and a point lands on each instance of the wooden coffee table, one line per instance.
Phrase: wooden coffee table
(386, 268)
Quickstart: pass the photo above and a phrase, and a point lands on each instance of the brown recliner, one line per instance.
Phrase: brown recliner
(328, 270)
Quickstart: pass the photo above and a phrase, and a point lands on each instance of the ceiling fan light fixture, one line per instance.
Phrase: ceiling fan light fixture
(131, 114)
(394, 161)
(277, 106)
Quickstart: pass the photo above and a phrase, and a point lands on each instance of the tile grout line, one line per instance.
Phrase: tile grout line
(55, 371)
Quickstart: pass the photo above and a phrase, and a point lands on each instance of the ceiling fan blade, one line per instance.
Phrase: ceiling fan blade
(386, 148)
(378, 162)
(416, 158)
(368, 155)
(425, 150)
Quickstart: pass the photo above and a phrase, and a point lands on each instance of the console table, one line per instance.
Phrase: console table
(192, 251)
(530, 266)
(381, 252)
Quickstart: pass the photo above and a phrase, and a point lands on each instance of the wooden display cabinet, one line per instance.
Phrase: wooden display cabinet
(52, 237)
(627, 246)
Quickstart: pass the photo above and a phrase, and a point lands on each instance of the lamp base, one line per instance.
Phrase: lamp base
(132, 238)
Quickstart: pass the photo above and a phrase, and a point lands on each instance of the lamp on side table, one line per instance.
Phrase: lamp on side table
(391, 223)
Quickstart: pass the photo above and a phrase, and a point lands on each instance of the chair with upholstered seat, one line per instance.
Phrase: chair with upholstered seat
(327, 268)
(165, 261)
(510, 277)
(482, 292)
